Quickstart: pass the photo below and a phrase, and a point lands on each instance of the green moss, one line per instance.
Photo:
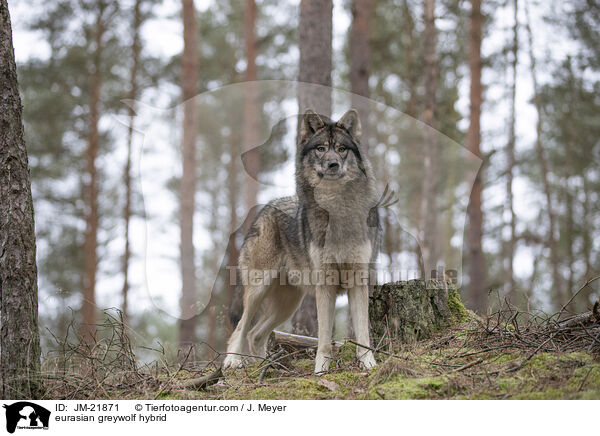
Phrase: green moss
(414, 310)
(413, 374)
(296, 389)
(546, 376)
(169, 396)
(457, 309)
(347, 352)
(593, 394)
(345, 378)
(509, 384)
(558, 394)
(403, 388)
(504, 358)
(554, 362)
(586, 377)
(304, 365)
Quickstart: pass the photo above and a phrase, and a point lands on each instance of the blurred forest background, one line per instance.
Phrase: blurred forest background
(516, 81)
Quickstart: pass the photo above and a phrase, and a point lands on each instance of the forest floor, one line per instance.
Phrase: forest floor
(496, 359)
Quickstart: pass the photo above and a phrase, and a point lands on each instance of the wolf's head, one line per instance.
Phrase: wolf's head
(329, 153)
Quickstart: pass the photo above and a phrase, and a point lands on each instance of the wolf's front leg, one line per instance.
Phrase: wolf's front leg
(325, 315)
(358, 298)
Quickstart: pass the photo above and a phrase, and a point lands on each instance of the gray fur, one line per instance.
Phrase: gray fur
(331, 224)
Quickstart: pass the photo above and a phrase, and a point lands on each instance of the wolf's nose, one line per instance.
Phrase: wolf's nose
(333, 165)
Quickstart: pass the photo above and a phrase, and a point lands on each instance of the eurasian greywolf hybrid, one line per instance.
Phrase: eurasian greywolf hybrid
(323, 240)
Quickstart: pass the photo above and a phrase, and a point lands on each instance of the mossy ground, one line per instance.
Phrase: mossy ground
(434, 369)
(471, 359)
(458, 362)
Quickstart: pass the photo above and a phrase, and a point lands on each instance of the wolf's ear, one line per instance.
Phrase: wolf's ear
(311, 122)
(350, 123)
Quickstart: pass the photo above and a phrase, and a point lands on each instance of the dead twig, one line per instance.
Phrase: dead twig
(201, 383)
(469, 365)
(272, 361)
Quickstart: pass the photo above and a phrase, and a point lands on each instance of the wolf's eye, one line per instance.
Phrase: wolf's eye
(321, 149)
(341, 149)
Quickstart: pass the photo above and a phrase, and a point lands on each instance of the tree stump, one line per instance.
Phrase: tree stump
(412, 310)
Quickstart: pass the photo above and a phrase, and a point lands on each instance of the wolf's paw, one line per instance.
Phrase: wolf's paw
(322, 364)
(367, 360)
(232, 361)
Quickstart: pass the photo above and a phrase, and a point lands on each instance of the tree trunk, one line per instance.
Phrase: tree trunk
(189, 87)
(90, 245)
(250, 131)
(315, 67)
(587, 238)
(414, 144)
(211, 268)
(232, 248)
(430, 247)
(19, 336)
(569, 189)
(552, 244)
(409, 32)
(413, 310)
(360, 54)
(315, 54)
(510, 152)
(133, 94)
(475, 257)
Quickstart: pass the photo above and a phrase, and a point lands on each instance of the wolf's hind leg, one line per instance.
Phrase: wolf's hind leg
(278, 307)
(253, 297)
(358, 298)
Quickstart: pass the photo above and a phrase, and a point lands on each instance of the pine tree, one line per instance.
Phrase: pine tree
(57, 97)
(315, 67)
(250, 127)
(103, 11)
(430, 212)
(19, 337)
(360, 54)
(136, 47)
(475, 257)
(189, 86)
(510, 151)
(559, 298)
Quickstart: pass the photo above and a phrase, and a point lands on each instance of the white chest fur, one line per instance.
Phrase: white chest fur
(337, 255)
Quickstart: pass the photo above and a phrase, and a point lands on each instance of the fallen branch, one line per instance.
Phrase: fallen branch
(297, 341)
(585, 318)
(469, 365)
(203, 382)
